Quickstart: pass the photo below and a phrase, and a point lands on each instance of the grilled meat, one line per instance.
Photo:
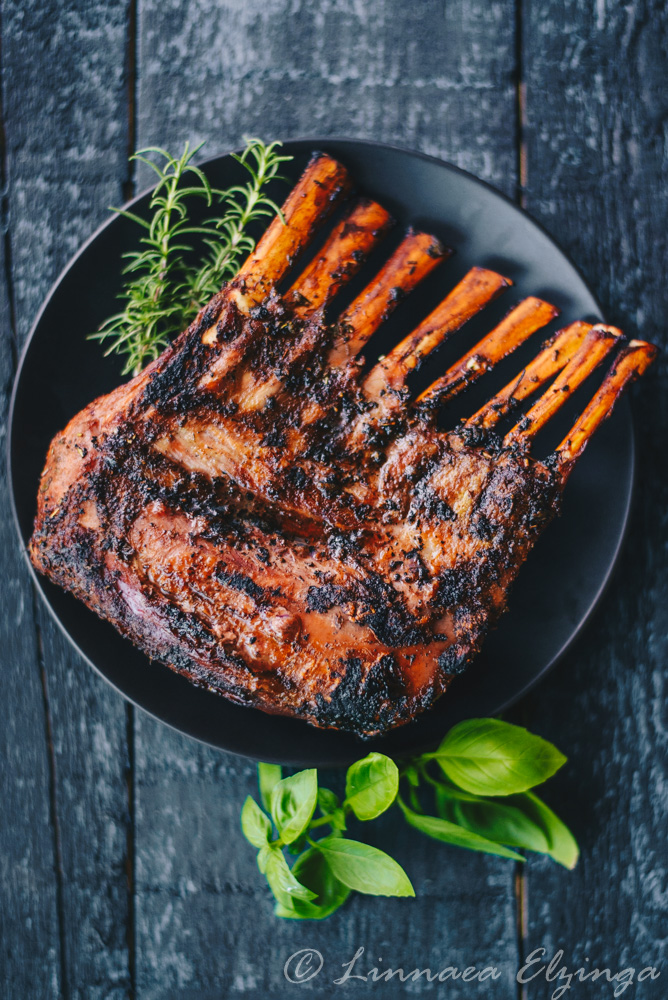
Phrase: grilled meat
(269, 520)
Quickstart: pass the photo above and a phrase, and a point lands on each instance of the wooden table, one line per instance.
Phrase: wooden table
(122, 869)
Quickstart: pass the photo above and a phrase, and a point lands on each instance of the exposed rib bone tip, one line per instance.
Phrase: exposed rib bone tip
(514, 329)
(341, 257)
(631, 362)
(415, 257)
(476, 289)
(324, 182)
(598, 343)
(644, 345)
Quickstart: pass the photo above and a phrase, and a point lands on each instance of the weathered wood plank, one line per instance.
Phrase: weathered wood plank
(204, 918)
(431, 76)
(28, 885)
(597, 110)
(436, 77)
(65, 126)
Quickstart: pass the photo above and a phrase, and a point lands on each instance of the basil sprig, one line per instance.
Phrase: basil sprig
(477, 781)
(490, 757)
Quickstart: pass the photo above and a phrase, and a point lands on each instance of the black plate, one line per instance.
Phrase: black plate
(61, 371)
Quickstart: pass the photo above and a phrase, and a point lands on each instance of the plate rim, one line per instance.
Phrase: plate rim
(72, 261)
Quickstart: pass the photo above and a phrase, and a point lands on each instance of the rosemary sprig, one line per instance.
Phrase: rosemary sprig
(243, 204)
(152, 312)
(164, 291)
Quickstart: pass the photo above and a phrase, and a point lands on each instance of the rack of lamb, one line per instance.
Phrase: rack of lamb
(292, 530)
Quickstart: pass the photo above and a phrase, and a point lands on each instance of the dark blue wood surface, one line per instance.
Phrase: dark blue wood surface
(122, 869)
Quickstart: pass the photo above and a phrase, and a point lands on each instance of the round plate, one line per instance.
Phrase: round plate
(563, 579)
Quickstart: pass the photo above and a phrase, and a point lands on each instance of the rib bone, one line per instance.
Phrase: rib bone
(631, 362)
(473, 292)
(385, 386)
(415, 258)
(556, 353)
(597, 345)
(520, 323)
(340, 258)
(314, 196)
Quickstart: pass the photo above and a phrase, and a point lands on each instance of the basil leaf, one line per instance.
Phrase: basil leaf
(412, 776)
(293, 803)
(371, 785)
(329, 805)
(328, 801)
(262, 856)
(490, 757)
(254, 824)
(297, 846)
(268, 775)
(497, 820)
(563, 845)
(516, 820)
(365, 868)
(450, 833)
(313, 871)
(282, 882)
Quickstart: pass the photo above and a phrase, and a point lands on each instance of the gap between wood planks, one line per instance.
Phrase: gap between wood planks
(521, 884)
(48, 731)
(129, 190)
(4, 216)
(522, 906)
(131, 932)
(521, 168)
(53, 805)
(131, 91)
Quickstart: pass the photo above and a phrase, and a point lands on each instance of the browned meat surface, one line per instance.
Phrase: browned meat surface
(261, 515)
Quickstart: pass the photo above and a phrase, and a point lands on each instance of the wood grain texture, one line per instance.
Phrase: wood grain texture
(436, 76)
(439, 78)
(65, 120)
(597, 114)
(433, 76)
(205, 926)
(28, 891)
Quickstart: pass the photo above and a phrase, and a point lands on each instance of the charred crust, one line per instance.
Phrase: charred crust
(175, 384)
(297, 477)
(454, 585)
(362, 703)
(478, 437)
(453, 661)
(316, 507)
(240, 582)
(427, 504)
(274, 439)
(481, 527)
(324, 598)
(381, 609)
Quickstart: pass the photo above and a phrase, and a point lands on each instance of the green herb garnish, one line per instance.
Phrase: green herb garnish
(181, 265)
(477, 781)
(244, 204)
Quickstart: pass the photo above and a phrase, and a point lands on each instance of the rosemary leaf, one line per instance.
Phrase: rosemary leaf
(162, 293)
(243, 204)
